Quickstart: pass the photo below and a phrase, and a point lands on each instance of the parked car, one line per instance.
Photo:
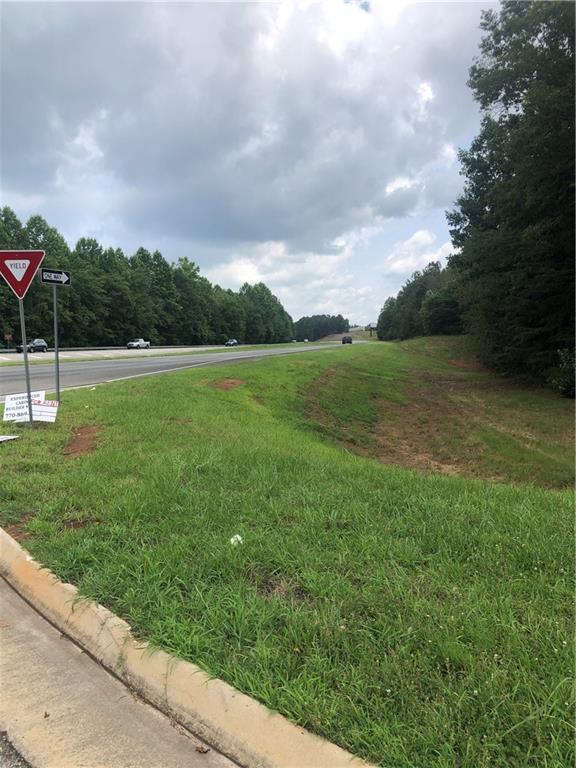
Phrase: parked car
(346, 339)
(37, 345)
(138, 344)
(231, 343)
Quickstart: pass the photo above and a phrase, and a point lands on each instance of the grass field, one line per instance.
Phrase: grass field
(414, 618)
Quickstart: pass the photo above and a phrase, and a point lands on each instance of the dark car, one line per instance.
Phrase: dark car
(37, 345)
(346, 339)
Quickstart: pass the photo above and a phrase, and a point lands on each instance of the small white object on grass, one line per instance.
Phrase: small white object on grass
(236, 539)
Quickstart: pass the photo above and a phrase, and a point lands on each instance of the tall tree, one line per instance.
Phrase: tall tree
(385, 325)
(266, 319)
(514, 224)
(426, 304)
(318, 326)
(113, 298)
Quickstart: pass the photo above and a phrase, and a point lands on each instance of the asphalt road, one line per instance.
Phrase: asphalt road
(11, 356)
(89, 372)
(9, 756)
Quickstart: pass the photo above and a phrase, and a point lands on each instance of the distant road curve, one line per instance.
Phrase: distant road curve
(90, 372)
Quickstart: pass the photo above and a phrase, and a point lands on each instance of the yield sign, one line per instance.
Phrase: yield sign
(18, 268)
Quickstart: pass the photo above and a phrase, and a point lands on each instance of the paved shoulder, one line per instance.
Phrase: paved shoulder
(60, 709)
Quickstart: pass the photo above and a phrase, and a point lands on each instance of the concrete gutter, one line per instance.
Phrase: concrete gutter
(232, 722)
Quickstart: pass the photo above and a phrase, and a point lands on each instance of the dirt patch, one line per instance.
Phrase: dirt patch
(282, 588)
(422, 432)
(75, 523)
(16, 530)
(84, 440)
(227, 383)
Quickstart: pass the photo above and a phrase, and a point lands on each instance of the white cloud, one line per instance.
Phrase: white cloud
(416, 252)
(400, 183)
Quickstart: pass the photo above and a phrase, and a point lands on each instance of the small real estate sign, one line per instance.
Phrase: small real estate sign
(16, 407)
(45, 410)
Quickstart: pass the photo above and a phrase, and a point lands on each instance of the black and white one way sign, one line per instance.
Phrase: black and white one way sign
(54, 277)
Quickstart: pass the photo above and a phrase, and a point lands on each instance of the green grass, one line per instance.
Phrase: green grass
(416, 620)
(425, 404)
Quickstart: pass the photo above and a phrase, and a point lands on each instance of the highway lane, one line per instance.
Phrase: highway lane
(11, 356)
(90, 372)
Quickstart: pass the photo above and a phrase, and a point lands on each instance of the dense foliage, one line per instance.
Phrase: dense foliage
(514, 224)
(318, 326)
(114, 297)
(427, 304)
(511, 276)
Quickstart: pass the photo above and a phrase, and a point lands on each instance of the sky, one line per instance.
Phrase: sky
(312, 146)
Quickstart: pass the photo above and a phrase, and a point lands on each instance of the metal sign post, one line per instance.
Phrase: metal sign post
(18, 268)
(55, 277)
(26, 366)
(57, 361)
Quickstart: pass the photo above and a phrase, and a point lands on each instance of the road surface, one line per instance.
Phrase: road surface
(11, 356)
(89, 372)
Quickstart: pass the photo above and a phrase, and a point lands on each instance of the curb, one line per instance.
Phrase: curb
(232, 722)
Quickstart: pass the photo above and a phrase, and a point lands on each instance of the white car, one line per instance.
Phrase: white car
(138, 344)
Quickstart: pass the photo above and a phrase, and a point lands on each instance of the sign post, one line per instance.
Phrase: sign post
(18, 268)
(55, 277)
(26, 366)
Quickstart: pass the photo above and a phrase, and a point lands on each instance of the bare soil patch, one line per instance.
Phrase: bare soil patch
(84, 440)
(422, 433)
(16, 530)
(282, 588)
(227, 384)
(76, 523)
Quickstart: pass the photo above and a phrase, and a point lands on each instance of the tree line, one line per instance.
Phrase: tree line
(426, 305)
(318, 326)
(510, 281)
(113, 297)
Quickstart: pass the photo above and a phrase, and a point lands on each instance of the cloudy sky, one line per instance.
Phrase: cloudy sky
(308, 145)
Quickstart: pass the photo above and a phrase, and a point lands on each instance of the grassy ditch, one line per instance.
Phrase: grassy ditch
(416, 620)
(426, 404)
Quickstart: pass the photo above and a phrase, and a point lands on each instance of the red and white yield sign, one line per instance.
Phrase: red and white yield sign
(18, 268)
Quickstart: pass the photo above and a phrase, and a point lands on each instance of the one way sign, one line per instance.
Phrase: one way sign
(54, 277)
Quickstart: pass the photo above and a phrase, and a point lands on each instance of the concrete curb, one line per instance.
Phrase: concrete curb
(238, 726)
